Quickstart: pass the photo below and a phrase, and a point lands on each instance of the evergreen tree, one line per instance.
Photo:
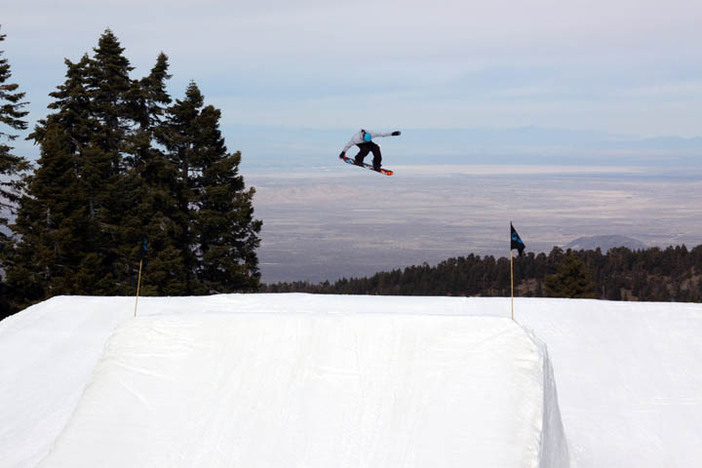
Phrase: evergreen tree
(117, 164)
(12, 116)
(222, 237)
(571, 280)
(71, 218)
(151, 207)
(109, 92)
(12, 167)
(53, 217)
(113, 120)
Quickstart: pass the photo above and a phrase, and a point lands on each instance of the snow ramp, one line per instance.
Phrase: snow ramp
(317, 390)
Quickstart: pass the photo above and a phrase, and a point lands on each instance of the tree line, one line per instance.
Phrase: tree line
(122, 166)
(654, 274)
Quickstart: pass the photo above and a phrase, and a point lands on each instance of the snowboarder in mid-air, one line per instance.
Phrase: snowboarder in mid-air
(364, 140)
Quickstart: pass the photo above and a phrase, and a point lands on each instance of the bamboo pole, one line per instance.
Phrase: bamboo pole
(511, 277)
(136, 302)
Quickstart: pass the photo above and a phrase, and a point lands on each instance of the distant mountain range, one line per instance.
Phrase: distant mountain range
(604, 243)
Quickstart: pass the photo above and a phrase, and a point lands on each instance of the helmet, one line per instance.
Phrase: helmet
(366, 136)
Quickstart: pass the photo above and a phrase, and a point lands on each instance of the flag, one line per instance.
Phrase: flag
(516, 242)
(144, 248)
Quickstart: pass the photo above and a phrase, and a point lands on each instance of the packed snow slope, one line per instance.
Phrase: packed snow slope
(316, 390)
(629, 376)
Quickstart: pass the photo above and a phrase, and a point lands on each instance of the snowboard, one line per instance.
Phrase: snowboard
(382, 170)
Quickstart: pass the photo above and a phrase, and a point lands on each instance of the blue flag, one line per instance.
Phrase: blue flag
(144, 248)
(516, 242)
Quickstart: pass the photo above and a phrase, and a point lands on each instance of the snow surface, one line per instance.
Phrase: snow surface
(629, 380)
(315, 390)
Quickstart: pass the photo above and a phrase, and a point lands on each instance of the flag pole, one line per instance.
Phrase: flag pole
(136, 302)
(143, 250)
(511, 277)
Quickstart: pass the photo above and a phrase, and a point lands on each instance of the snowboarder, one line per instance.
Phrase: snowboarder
(363, 139)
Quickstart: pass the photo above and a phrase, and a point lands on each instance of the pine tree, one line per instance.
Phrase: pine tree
(109, 92)
(222, 235)
(572, 279)
(117, 164)
(12, 167)
(151, 207)
(70, 220)
(53, 218)
(12, 116)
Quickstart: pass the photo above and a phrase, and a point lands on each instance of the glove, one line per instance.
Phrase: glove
(396, 133)
(341, 156)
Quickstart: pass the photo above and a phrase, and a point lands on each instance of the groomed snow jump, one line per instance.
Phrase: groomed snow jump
(317, 390)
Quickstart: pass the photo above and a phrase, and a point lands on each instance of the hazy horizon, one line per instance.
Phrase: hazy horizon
(348, 222)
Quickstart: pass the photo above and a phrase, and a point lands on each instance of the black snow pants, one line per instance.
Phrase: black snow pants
(366, 148)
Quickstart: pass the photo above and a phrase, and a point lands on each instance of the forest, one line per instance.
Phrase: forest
(653, 274)
(127, 178)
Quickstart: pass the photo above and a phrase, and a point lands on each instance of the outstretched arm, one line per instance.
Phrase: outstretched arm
(378, 135)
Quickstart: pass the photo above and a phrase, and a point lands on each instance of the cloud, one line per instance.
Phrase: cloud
(358, 31)
(582, 64)
(681, 90)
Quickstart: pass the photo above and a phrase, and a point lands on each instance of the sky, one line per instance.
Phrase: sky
(626, 67)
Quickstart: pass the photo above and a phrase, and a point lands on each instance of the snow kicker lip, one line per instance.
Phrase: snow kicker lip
(317, 389)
